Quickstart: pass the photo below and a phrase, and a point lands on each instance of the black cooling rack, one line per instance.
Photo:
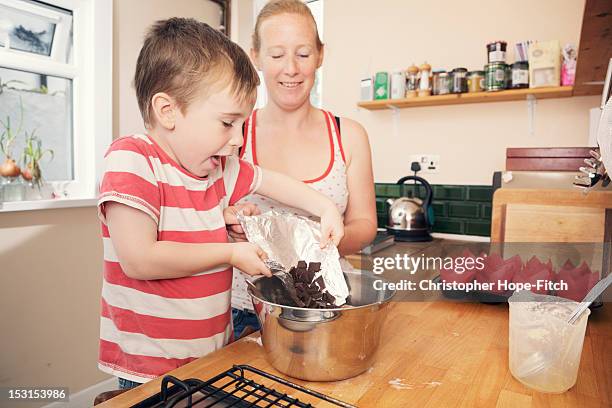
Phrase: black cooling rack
(237, 387)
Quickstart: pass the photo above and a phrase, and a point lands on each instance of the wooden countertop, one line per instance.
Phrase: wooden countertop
(438, 354)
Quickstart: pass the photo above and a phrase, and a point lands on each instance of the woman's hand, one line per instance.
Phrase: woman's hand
(231, 220)
(332, 226)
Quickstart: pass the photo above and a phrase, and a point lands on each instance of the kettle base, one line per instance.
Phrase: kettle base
(410, 236)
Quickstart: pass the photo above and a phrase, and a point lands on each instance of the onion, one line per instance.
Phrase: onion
(26, 174)
(9, 168)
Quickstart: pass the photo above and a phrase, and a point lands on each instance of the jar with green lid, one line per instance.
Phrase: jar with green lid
(476, 81)
(495, 76)
(520, 75)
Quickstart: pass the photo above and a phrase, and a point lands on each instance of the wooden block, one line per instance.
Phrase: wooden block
(548, 151)
(544, 164)
(553, 197)
(550, 223)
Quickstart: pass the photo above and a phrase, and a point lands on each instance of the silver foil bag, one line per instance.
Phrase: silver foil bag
(288, 238)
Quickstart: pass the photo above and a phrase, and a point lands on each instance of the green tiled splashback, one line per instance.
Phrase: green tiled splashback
(457, 209)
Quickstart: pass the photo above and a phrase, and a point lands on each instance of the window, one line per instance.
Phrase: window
(316, 94)
(55, 82)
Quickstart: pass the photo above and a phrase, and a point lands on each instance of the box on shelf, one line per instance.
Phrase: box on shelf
(544, 64)
(398, 85)
(367, 89)
(381, 85)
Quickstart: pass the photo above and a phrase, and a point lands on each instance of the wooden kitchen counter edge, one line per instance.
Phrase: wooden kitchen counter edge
(435, 354)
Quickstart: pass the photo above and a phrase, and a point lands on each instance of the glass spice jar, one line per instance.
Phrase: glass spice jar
(444, 84)
(412, 81)
(520, 74)
(459, 80)
(435, 81)
(476, 81)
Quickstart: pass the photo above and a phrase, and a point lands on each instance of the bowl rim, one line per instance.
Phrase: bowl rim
(333, 309)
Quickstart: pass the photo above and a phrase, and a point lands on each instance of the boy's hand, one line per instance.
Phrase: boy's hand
(332, 227)
(249, 259)
(231, 220)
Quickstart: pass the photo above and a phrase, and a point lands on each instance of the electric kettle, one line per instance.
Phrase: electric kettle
(408, 218)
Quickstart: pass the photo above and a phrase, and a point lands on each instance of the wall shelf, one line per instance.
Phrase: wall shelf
(478, 97)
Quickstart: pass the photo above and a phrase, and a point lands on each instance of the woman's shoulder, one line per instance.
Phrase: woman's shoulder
(354, 136)
(352, 127)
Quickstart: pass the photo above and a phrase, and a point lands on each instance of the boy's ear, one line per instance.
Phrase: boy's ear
(255, 58)
(164, 110)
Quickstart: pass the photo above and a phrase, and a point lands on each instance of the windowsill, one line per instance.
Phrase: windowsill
(13, 206)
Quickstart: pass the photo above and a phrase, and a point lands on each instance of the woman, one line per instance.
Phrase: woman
(289, 135)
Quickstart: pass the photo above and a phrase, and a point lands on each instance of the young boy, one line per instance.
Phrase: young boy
(167, 259)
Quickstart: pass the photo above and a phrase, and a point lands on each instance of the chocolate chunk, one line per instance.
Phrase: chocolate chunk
(329, 298)
(309, 292)
(310, 276)
(314, 266)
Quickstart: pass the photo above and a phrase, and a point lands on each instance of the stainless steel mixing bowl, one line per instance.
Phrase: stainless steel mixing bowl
(322, 344)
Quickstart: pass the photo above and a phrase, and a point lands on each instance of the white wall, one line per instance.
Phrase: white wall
(364, 36)
(131, 20)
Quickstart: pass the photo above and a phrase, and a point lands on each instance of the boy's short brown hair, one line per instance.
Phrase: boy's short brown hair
(183, 57)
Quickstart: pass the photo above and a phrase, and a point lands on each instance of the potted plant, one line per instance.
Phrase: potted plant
(9, 167)
(33, 153)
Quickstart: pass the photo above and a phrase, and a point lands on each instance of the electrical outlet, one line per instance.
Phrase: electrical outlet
(430, 163)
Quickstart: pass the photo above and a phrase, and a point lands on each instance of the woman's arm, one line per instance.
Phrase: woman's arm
(296, 194)
(360, 217)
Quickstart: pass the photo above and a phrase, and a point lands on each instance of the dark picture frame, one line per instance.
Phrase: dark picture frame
(226, 15)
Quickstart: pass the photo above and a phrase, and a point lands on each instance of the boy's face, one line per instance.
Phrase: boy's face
(210, 128)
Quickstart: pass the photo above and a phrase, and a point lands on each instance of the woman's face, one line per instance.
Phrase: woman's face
(288, 59)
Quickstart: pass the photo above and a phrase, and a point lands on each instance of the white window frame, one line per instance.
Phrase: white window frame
(91, 73)
(62, 23)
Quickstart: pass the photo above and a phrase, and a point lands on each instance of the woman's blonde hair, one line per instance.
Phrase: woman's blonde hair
(276, 7)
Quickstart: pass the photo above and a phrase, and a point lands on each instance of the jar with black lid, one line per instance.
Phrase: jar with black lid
(459, 80)
(520, 75)
(496, 51)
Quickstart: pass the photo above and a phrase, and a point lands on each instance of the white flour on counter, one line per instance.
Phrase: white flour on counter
(399, 384)
(253, 340)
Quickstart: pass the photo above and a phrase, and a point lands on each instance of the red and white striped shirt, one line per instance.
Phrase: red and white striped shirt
(149, 327)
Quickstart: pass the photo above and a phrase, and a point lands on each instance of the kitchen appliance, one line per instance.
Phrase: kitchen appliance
(323, 344)
(599, 166)
(408, 218)
(240, 386)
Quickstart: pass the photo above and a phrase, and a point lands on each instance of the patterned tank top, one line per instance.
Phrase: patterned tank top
(332, 183)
